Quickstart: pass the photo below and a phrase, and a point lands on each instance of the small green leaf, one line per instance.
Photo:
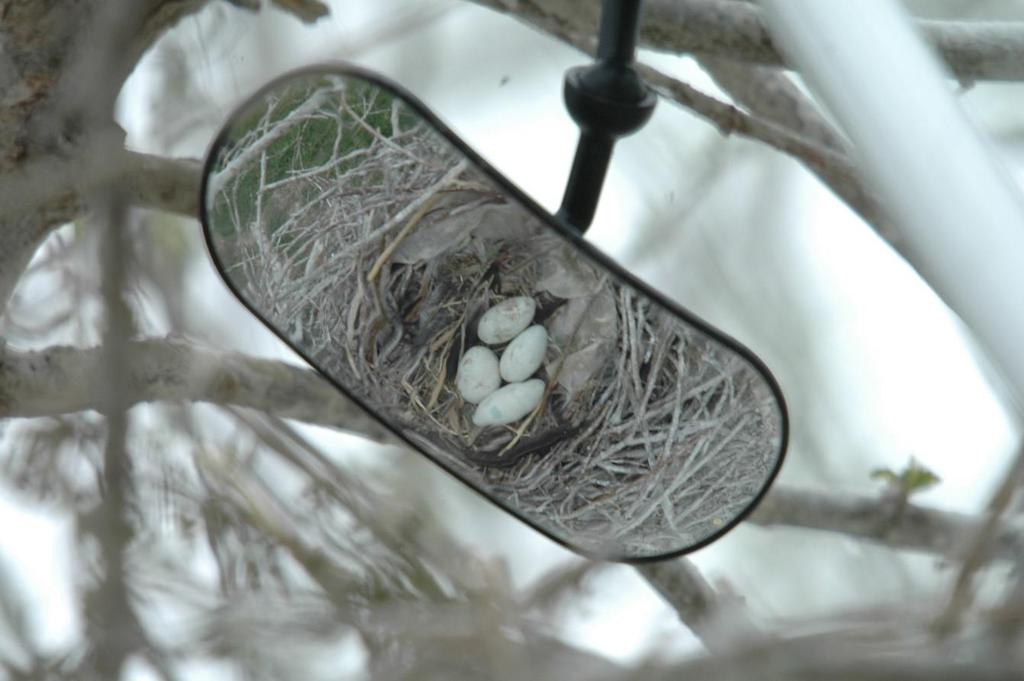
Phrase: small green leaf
(920, 478)
(913, 478)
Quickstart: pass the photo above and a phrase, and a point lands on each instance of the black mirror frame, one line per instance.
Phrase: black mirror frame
(563, 228)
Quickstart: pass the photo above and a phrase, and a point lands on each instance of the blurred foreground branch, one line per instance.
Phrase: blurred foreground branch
(979, 552)
(718, 621)
(53, 187)
(911, 526)
(43, 194)
(454, 612)
(63, 379)
(876, 651)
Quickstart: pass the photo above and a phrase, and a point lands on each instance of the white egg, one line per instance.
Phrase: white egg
(506, 320)
(509, 404)
(524, 354)
(478, 374)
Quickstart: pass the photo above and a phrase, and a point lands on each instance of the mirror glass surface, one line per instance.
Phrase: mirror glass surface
(486, 334)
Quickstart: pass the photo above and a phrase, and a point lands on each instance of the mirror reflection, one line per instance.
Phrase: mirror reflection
(360, 231)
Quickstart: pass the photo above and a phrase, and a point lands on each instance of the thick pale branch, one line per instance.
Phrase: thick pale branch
(65, 379)
(878, 654)
(53, 189)
(167, 184)
(911, 527)
(720, 623)
(734, 29)
(47, 193)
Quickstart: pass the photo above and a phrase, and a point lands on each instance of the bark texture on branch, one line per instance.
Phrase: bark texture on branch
(64, 379)
(56, 145)
(909, 526)
(719, 622)
(734, 29)
(54, 152)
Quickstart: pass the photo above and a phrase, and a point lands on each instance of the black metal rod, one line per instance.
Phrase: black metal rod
(589, 166)
(620, 24)
(607, 100)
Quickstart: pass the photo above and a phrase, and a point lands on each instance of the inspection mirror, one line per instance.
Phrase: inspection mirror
(482, 330)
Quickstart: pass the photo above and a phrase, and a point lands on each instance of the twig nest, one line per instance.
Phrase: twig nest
(509, 404)
(478, 374)
(506, 320)
(524, 354)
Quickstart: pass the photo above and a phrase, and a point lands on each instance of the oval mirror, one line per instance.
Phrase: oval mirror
(486, 334)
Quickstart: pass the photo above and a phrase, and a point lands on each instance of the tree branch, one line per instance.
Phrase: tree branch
(53, 187)
(49, 192)
(979, 50)
(912, 527)
(820, 152)
(734, 29)
(769, 94)
(167, 184)
(114, 626)
(720, 623)
(50, 156)
(832, 166)
(881, 653)
(978, 554)
(164, 14)
(63, 379)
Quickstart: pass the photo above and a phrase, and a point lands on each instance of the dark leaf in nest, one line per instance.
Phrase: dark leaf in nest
(507, 221)
(449, 228)
(445, 228)
(564, 276)
(588, 328)
(579, 366)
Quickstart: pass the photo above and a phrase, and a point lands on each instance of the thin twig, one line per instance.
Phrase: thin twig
(980, 550)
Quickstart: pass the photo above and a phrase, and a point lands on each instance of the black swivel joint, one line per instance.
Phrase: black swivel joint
(607, 100)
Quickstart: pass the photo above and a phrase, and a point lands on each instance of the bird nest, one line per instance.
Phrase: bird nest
(373, 245)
